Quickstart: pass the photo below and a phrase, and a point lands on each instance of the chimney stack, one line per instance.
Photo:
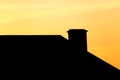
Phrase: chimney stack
(78, 39)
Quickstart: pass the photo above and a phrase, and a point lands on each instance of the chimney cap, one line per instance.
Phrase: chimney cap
(84, 30)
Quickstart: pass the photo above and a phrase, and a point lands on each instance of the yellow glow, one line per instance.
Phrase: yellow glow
(101, 18)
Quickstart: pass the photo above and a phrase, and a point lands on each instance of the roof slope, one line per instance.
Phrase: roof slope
(50, 56)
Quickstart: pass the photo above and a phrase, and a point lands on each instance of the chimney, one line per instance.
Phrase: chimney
(78, 39)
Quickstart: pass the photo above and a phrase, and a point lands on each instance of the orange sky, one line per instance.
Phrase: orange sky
(101, 18)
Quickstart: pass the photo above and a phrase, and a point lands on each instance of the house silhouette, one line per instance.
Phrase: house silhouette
(53, 57)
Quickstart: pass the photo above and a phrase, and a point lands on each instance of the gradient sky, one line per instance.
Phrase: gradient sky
(100, 17)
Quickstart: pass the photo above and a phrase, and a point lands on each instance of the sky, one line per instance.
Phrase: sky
(100, 17)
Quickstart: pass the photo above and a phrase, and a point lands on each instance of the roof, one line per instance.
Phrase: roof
(52, 55)
(32, 38)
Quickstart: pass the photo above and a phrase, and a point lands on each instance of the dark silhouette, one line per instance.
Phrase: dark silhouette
(53, 57)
